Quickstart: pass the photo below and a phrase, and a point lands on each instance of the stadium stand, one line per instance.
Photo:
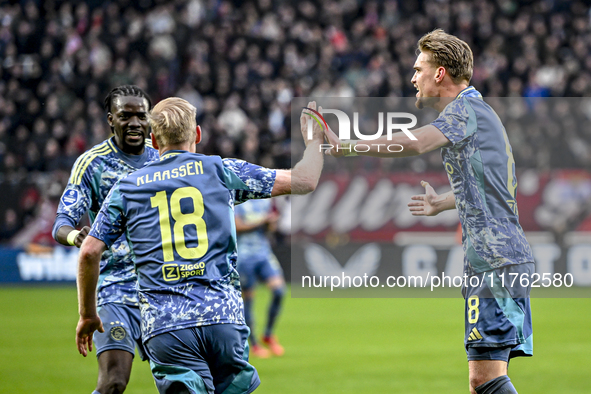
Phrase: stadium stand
(240, 63)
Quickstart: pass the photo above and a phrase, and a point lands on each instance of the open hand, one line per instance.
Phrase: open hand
(317, 132)
(424, 204)
(86, 327)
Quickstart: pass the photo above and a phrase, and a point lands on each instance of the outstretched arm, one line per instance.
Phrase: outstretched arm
(88, 274)
(303, 178)
(431, 203)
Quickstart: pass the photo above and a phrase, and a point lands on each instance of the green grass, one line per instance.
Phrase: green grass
(332, 346)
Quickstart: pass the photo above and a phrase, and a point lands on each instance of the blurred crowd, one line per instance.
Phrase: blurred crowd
(241, 63)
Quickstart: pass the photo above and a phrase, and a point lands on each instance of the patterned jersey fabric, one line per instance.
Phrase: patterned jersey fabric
(93, 175)
(178, 214)
(480, 166)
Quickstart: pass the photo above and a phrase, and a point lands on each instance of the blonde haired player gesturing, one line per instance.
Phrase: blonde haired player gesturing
(479, 162)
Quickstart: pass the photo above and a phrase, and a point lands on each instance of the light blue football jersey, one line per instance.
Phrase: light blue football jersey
(178, 215)
(253, 243)
(93, 175)
(481, 169)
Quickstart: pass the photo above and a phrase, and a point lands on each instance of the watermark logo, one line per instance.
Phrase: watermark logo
(391, 119)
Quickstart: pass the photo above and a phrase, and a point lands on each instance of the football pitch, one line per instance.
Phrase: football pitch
(332, 346)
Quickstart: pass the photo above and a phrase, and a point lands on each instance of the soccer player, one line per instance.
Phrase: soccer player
(479, 162)
(256, 261)
(93, 175)
(177, 214)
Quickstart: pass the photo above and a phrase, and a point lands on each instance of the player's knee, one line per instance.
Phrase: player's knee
(117, 387)
(477, 380)
(116, 384)
(276, 282)
(483, 371)
(279, 291)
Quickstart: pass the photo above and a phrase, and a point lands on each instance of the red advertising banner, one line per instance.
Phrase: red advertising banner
(373, 206)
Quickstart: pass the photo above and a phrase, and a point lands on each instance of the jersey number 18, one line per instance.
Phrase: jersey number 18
(181, 220)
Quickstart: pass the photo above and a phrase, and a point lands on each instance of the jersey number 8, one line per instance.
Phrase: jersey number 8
(181, 220)
(473, 312)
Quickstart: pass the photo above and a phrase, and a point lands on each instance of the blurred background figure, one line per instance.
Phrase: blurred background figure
(257, 263)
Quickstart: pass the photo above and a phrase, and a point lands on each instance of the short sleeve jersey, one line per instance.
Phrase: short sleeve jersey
(481, 169)
(253, 243)
(93, 175)
(178, 215)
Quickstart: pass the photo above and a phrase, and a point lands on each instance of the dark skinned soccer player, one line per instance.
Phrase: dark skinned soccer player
(92, 176)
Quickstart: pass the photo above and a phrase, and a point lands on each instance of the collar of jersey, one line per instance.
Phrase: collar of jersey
(469, 91)
(128, 156)
(172, 153)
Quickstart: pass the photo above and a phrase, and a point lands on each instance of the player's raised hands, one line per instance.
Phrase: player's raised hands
(317, 132)
(86, 327)
(424, 204)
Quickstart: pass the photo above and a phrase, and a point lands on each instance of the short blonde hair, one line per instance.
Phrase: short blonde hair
(449, 52)
(173, 121)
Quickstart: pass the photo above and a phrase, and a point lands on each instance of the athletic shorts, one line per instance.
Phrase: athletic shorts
(498, 315)
(261, 268)
(122, 324)
(203, 360)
